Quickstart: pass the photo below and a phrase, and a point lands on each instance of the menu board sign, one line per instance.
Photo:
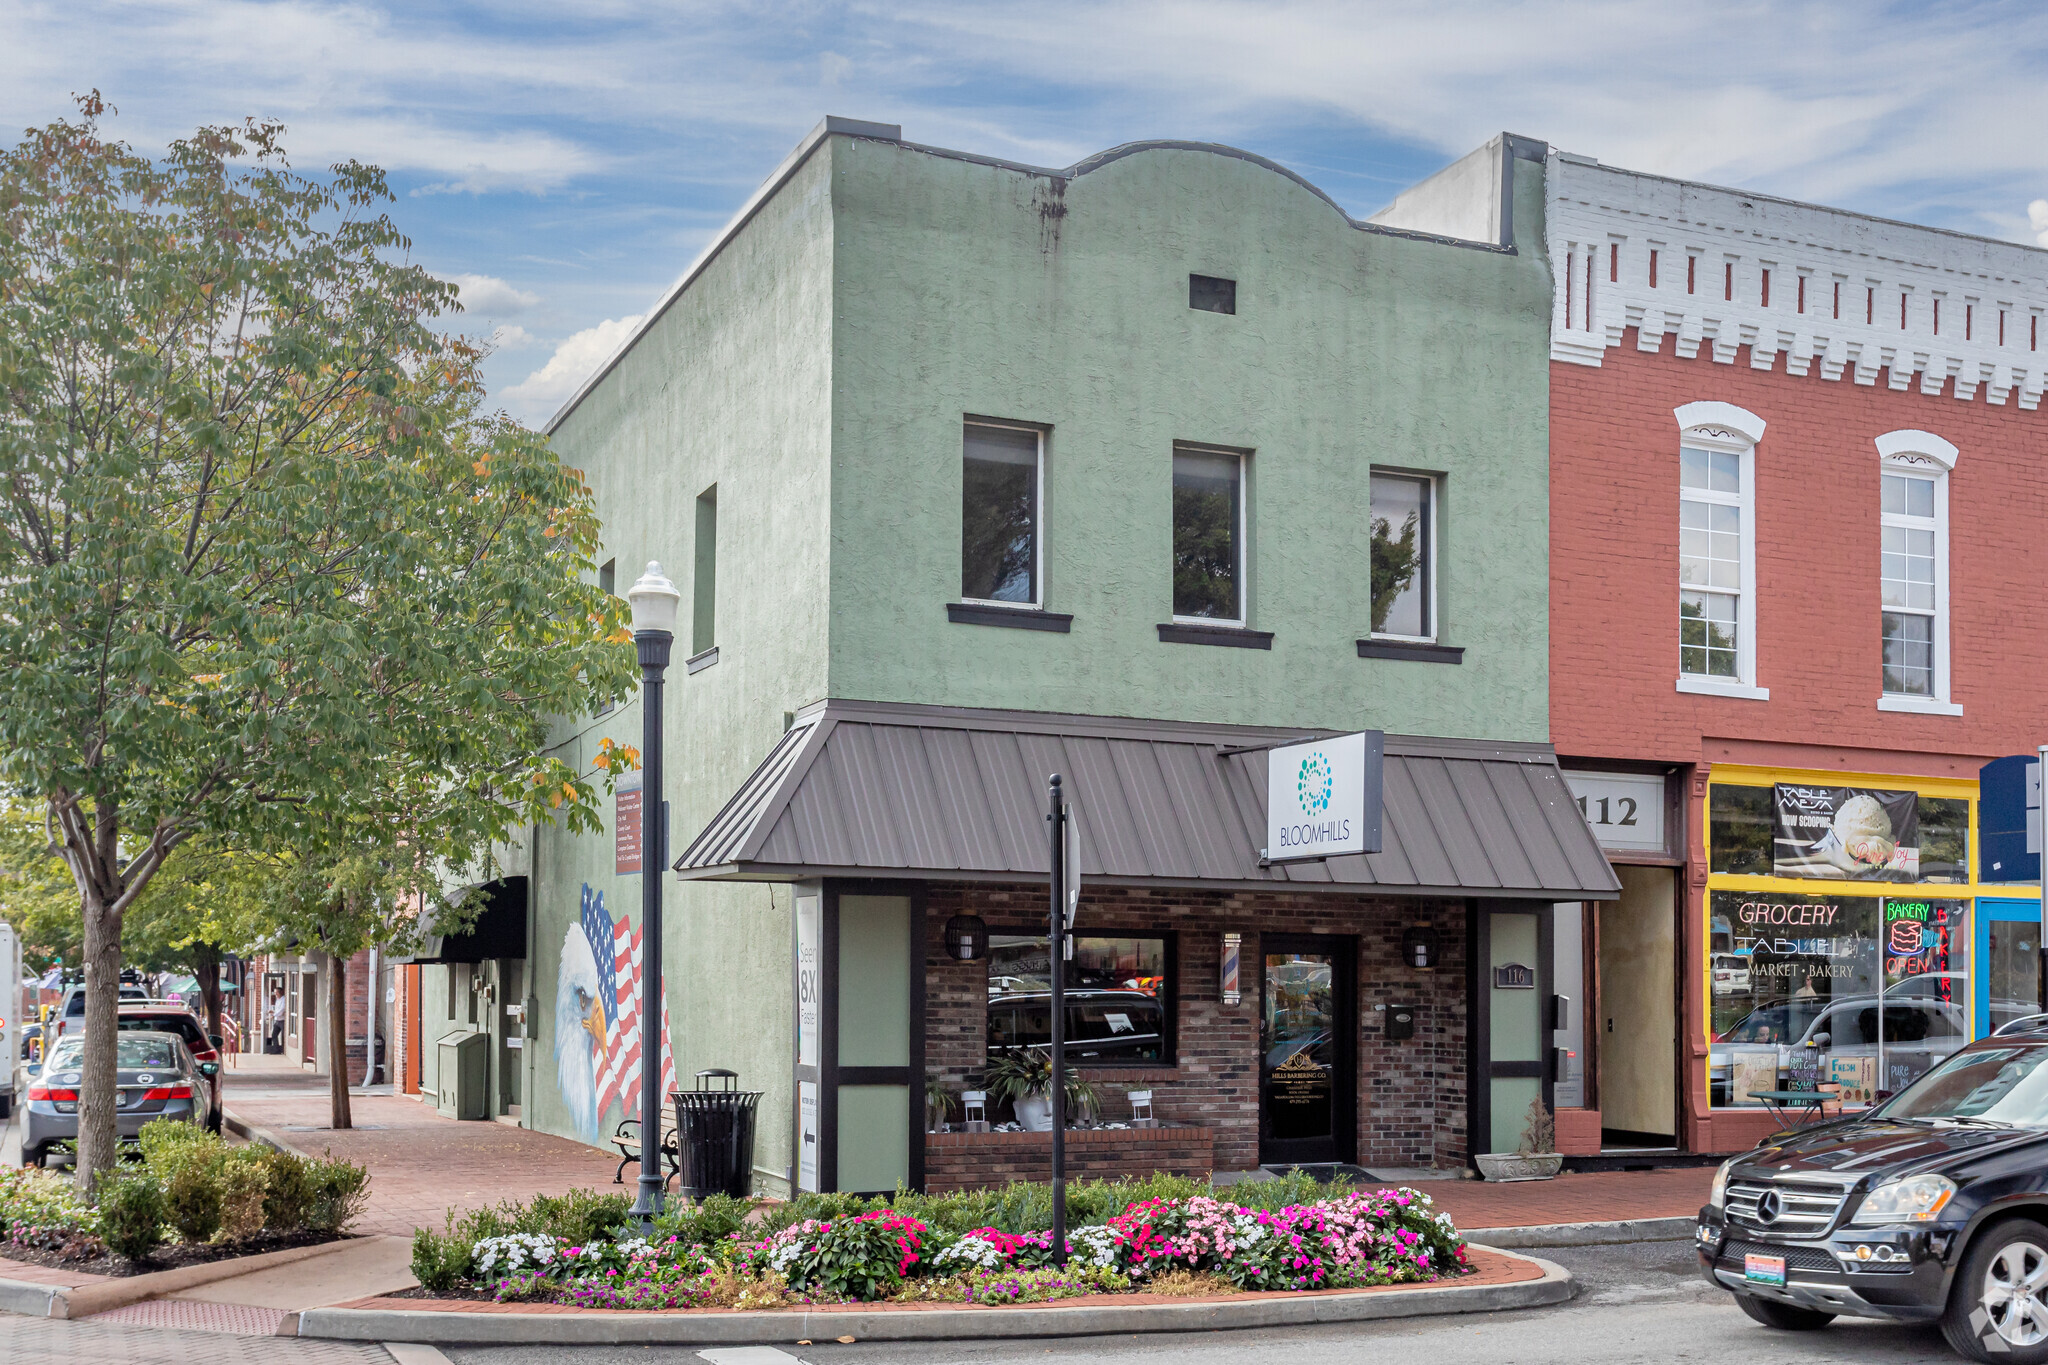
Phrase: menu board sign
(1845, 834)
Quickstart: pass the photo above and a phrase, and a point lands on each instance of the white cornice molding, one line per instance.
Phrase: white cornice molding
(1991, 298)
(1723, 418)
(1904, 445)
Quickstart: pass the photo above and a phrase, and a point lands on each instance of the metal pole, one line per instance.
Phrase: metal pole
(654, 648)
(2040, 877)
(1056, 954)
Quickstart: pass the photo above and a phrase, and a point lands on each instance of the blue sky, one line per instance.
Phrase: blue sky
(565, 161)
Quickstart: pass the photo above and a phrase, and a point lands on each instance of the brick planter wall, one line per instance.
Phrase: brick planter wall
(969, 1161)
(1411, 1095)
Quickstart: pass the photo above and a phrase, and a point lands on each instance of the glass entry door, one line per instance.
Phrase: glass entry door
(2009, 947)
(1308, 1066)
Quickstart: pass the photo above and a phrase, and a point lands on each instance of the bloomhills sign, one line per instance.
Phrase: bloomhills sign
(1323, 798)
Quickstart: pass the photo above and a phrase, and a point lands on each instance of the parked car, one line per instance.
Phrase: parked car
(69, 1016)
(1731, 973)
(1101, 1025)
(1917, 1028)
(1933, 1207)
(167, 1017)
(157, 1078)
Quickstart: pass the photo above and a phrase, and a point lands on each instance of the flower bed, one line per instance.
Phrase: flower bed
(1159, 1236)
(192, 1198)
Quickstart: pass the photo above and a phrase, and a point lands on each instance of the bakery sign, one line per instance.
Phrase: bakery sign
(1323, 798)
(1845, 833)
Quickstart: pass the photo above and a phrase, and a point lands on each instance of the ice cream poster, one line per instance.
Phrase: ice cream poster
(1846, 834)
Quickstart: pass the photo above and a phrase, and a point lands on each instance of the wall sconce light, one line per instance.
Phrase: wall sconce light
(1233, 955)
(1419, 947)
(966, 938)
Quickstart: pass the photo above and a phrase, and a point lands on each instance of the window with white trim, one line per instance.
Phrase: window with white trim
(1403, 536)
(1717, 549)
(1208, 535)
(1002, 487)
(1913, 636)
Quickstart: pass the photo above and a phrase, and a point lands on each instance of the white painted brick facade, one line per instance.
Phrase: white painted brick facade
(1958, 291)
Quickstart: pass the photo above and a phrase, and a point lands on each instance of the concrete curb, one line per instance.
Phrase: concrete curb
(937, 1324)
(254, 1132)
(82, 1301)
(1587, 1234)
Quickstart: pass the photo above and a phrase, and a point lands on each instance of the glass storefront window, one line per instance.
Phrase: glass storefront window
(1944, 839)
(1795, 992)
(1116, 998)
(1739, 830)
(1741, 842)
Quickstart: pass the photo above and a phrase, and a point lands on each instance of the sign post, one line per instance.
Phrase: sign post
(1056, 963)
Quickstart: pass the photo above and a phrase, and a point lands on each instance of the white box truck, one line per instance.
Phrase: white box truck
(10, 1016)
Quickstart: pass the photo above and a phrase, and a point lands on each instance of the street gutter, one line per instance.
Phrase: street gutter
(1586, 1234)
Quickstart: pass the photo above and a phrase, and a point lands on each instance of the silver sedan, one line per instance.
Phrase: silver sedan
(157, 1079)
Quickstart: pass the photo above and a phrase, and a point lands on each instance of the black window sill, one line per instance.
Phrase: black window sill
(1016, 618)
(697, 663)
(1411, 651)
(1233, 637)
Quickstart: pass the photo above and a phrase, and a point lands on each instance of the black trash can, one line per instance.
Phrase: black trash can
(715, 1136)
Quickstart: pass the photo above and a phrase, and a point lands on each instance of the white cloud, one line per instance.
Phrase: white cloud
(2037, 221)
(512, 337)
(575, 360)
(490, 297)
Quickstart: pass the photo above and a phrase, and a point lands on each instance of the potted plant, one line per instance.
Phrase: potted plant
(1536, 1159)
(1024, 1077)
(938, 1102)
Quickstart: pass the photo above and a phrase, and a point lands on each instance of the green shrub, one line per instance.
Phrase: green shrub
(341, 1189)
(166, 1142)
(131, 1208)
(244, 1176)
(288, 1193)
(707, 1222)
(192, 1193)
(440, 1259)
(578, 1217)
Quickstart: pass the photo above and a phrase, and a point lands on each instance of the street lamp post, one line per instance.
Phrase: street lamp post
(654, 601)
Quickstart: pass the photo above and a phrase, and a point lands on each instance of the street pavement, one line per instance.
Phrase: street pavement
(1636, 1303)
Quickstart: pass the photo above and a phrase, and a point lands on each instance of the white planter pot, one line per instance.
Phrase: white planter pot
(1509, 1166)
(1034, 1113)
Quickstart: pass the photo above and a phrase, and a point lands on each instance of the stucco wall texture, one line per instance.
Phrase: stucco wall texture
(1614, 574)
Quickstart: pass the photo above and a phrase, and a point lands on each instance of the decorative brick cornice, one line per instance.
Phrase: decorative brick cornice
(1820, 289)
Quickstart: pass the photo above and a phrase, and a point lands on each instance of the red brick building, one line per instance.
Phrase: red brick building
(1797, 509)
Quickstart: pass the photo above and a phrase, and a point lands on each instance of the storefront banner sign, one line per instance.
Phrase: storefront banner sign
(626, 825)
(807, 1135)
(1845, 834)
(1323, 798)
(810, 986)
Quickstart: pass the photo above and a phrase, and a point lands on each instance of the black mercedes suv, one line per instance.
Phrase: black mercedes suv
(1933, 1207)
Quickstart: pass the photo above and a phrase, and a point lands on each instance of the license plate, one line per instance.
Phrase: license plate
(1764, 1269)
(127, 1098)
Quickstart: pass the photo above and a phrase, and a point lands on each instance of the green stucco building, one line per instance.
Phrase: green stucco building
(966, 469)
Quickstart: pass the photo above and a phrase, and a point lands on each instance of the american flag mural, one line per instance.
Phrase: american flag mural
(616, 947)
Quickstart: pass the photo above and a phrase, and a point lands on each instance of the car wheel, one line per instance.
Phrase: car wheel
(213, 1121)
(1998, 1304)
(31, 1156)
(1785, 1317)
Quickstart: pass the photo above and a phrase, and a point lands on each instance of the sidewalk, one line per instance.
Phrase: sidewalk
(1582, 1197)
(420, 1163)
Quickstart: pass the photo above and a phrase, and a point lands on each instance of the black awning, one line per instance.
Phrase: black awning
(498, 931)
(865, 789)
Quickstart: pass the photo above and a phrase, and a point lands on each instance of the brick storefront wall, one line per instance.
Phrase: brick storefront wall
(1411, 1095)
(966, 1161)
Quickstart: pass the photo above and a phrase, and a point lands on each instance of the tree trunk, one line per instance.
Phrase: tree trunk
(206, 966)
(337, 1042)
(98, 1147)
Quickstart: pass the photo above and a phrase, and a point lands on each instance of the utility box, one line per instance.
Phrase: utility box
(463, 1084)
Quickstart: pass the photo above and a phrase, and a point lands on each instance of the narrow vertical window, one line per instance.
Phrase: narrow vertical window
(2001, 327)
(1653, 270)
(1969, 320)
(1767, 289)
(608, 578)
(1692, 266)
(1909, 564)
(1728, 282)
(1589, 289)
(1802, 293)
(1403, 528)
(704, 576)
(1001, 482)
(1937, 315)
(1208, 535)
(1902, 312)
(1870, 306)
(1571, 284)
(1614, 262)
(1710, 562)
(1838, 300)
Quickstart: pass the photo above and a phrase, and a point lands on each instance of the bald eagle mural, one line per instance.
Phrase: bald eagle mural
(597, 1020)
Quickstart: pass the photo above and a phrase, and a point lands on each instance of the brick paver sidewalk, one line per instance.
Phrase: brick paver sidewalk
(420, 1163)
(1584, 1197)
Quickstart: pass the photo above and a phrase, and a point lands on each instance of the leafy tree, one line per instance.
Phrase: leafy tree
(259, 541)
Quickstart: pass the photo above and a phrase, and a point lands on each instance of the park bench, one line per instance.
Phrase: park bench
(627, 1140)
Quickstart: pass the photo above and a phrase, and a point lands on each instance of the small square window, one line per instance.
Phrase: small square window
(1212, 295)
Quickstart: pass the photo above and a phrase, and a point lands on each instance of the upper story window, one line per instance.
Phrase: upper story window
(1002, 490)
(1913, 571)
(1208, 535)
(1403, 519)
(1717, 550)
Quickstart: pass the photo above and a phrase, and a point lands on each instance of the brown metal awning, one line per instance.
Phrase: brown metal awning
(866, 789)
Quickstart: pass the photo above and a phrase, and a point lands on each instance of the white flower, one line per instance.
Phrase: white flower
(1094, 1245)
(497, 1257)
